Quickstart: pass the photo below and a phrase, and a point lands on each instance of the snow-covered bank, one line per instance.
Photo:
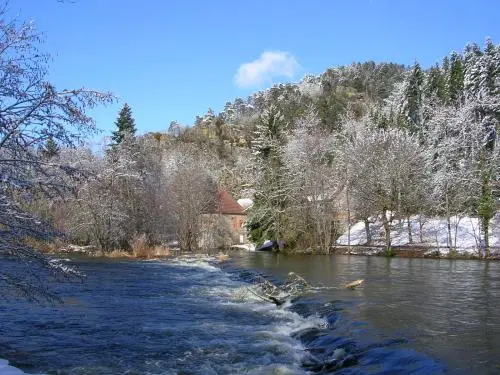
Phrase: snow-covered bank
(428, 232)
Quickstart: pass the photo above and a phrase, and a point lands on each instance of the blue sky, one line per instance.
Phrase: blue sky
(172, 60)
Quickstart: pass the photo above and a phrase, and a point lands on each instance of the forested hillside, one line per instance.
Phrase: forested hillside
(356, 142)
(353, 143)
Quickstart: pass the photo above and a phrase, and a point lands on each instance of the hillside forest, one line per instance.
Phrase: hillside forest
(356, 142)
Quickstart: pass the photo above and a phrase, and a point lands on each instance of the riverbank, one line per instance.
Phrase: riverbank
(401, 251)
(157, 253)
(415, 251)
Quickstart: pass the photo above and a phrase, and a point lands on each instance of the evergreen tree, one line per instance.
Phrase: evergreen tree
(434, 92)
(446, 65)
(219, 133)
(434, 88)
(472, 70)
(50, 149)
(455, 79)
(125, 125)
(490, 70)
(267, 217)
(413, 95)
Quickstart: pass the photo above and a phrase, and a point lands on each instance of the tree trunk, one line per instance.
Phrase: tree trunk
(410, 236)
(486, 210)
(486, 234)
(368, 233)
(457, 222)
(421, 226)
(387, 229)
(448, 220)
(348, 219)
(448, 224)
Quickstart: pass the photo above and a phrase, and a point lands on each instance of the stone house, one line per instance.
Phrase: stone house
(224, 225)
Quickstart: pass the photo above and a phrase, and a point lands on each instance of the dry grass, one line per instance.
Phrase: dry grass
(43, 246)
(141, 248)
(114, 254)
(222, 257)
(161, 251)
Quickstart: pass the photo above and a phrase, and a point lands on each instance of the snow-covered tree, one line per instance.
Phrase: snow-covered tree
(384, 168)
(103, 210)
(465, 162)
(32, 111)
(312, 173)
(412, 106)
(267, 217)
(482, 108)
(191, 192)
(154, 218)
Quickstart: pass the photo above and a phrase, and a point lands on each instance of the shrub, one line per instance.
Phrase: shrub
(390, 252)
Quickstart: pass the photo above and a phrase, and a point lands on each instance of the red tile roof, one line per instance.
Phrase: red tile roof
(228, 205)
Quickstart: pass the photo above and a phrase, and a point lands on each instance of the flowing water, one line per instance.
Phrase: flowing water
(196, 316)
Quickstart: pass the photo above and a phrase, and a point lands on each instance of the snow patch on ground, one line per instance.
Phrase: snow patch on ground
(430, 232)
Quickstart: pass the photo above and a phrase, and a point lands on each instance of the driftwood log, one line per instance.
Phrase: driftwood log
(293, 286)
(354, 284)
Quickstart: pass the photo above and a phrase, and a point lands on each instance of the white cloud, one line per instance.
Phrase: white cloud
(269, 65)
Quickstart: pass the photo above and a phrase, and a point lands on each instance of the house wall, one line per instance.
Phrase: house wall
(220, 230)
(238, 231)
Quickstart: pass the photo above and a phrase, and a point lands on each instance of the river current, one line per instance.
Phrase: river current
(198, 316)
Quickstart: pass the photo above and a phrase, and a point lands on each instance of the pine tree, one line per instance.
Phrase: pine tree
(125, 125)
(473, 66)
(267, 218)
(218, 122)
(50, 149)
(434, 88)
(490, 70)
(455, 79)
(434, 91)
(413, 94)
(446, 65)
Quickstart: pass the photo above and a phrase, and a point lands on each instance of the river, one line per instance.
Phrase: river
(417, 316)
